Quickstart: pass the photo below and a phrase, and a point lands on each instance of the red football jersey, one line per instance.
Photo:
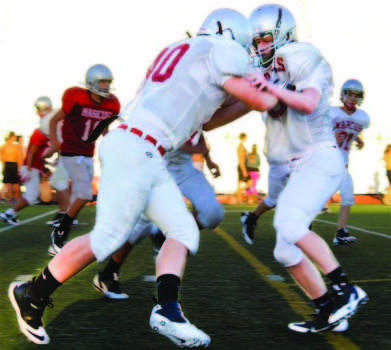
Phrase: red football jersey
(85, 120)
(40, 140)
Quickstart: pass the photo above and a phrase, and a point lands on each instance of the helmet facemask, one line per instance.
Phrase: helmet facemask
(352, 93)
(273, 24)
(352, 98)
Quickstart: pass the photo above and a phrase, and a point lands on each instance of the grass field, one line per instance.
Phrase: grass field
(236, 293)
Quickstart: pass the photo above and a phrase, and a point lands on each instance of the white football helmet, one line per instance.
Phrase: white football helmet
(229, 24)
(274, 20)
(352, 85)
(43, 103)
(96, 73)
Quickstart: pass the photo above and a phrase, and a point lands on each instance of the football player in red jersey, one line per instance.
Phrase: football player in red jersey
(33, 167)
(86, 114)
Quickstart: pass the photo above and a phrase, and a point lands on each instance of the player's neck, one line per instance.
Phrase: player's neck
(347, 110)
(96, 98)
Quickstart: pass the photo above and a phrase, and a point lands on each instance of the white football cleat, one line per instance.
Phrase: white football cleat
(168, 320)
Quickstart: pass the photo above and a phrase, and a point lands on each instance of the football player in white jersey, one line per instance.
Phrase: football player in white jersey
(206, 209)
(187, 83)
(348, 122)
(298, 75)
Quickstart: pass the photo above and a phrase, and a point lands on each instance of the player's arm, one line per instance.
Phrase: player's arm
(304, 101)
(30, 156)
(359, 142)
(226, 114)
(54, 142)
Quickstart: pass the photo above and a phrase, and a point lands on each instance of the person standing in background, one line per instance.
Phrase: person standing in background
(252, 165)
(11, 156)
(244, 179)
(387, 159)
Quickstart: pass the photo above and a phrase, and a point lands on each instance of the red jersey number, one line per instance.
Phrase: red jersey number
(165, 63)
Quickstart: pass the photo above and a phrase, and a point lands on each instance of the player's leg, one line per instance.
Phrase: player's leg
(297, 206)
(278, 174)
(9, 216)
(168, 210)
(207, 210)
(342, 236)
(59, 180)
(117, 212)
(81, 171)
(107, 280)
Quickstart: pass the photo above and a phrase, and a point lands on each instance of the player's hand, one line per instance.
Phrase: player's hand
(25, 177)
(258, 81)
(359, 144)
(213, 168)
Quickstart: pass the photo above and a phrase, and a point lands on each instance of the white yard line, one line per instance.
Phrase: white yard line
(27, 220)
(384, 235)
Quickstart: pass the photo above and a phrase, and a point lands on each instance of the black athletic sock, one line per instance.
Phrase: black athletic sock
(342, 232)
(252, 217)
(168, 288)
(338, 277)
(324, 303)
(65, 225)
(44, 285)
(112, 267)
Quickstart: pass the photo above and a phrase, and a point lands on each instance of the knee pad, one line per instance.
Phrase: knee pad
(292, 224)
(270, 202)
(106, 239)
(212, 216)
(190, 238)
(286, 253)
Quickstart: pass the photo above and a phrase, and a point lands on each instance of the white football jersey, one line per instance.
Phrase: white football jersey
(289, 132)
(348, 125)
(184, 88)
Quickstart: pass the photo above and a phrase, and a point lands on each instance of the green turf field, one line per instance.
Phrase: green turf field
(236, 293)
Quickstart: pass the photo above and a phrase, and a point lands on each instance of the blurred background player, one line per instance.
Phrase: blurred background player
(34, 162)
(86, 114)
(348, 123)
(11, 155)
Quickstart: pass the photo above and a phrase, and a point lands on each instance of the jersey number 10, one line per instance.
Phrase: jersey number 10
(165, 63)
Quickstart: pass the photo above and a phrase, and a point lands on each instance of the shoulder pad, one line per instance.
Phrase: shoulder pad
(230, 59)
(300, 60)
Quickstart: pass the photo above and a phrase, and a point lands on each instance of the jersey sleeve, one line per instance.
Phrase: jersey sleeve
(69, 100)
(305, 65)
(38, 138)
(228, 59)
(365, 120)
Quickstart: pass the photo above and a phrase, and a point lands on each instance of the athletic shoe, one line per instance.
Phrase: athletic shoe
(29, 312)
(343, 238)
(342, 326)
(348, 299)
(57, 241)
(318, 323)
(56, 220)
(108, 284)
(249, 223)
(168, 320)
(9, 219)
